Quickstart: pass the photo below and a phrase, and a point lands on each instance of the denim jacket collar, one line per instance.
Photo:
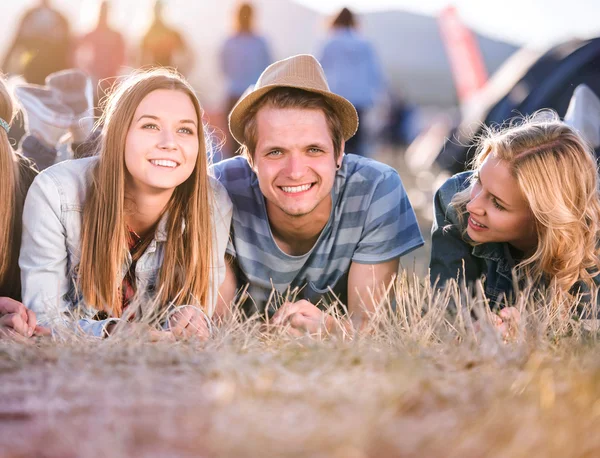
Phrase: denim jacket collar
(499, 253)
(161, 230)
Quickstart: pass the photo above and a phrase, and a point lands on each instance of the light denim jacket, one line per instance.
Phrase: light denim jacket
(51, 247)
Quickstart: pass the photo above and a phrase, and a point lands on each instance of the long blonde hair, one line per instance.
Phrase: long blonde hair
(8, 184)
(185, 271)
(557, 173)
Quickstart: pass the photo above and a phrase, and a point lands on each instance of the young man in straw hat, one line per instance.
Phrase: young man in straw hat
(311, 224)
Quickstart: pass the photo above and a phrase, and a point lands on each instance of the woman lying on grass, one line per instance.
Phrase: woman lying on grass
(16, 175)
(137, 230)
(530, 206)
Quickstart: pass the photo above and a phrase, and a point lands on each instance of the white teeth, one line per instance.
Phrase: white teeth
(293, 189)
(164, 163)
(476, 223)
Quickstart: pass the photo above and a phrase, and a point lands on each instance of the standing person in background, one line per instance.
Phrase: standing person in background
(64, 105)
(352, 69)
(244, 56)
(164, 46)
(101, 53)
(42, 44)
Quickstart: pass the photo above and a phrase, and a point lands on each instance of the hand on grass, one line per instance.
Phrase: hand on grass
(506, 322)
(188, 321)
(129, 328)
(302, 317)
(18, 320)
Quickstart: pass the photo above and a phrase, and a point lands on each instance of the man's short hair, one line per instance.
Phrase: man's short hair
(284, 97)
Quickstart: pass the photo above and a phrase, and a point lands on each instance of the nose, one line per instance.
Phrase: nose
(475, 204)
(166, 140)
(295, 167)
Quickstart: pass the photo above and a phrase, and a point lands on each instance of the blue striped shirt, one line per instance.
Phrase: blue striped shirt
(371, 222)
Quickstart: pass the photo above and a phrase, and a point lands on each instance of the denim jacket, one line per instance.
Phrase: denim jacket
(450, 251)
(51, 247)
(492, 261)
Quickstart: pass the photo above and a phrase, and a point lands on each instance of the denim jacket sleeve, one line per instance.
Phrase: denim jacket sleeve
(222, 211)
(44, 260)
(450, 253)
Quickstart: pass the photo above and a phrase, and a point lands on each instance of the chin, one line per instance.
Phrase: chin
(162, 186)
(474, 236)
(296, 211)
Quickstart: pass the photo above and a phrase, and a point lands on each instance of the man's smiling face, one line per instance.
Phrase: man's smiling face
(294, 161)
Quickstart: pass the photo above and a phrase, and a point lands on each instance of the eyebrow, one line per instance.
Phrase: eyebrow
(492, 194)
(156, 118)
(274, 146)
(317, 145)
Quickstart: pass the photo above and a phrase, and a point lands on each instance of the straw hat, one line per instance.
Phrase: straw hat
(302, 72)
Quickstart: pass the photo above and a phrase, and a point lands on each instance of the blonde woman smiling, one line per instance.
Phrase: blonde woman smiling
(141, 221)
(530, 206)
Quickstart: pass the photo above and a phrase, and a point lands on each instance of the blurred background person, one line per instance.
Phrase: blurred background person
(353, 71)
(243, 57)
(42, 44)
(59, 118)
(101, 53)
(163, 45)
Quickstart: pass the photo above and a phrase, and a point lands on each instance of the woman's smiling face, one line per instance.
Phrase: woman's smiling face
(498, 210)
(162, 142)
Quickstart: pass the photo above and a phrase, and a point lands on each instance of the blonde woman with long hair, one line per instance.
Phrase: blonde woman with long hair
(530, 207)
(142, 222)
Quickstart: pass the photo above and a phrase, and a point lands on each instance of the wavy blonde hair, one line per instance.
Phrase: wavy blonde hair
(8, 184)
(557, 173)
(185, 271)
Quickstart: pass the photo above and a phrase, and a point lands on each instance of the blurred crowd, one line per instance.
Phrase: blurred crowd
(44, 43)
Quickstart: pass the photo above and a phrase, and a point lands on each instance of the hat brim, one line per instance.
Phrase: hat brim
(344, 109)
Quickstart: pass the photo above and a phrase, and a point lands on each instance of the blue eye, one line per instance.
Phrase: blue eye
(275, 152)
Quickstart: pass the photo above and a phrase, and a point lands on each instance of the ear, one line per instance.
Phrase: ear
(340, 159)
(251, 163)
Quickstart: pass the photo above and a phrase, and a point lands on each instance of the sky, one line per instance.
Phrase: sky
(536, 23)
(523, 22)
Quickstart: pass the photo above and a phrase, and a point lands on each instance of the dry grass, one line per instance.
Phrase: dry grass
(422, 383)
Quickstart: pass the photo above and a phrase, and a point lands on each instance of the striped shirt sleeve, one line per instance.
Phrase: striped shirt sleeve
(391, 229)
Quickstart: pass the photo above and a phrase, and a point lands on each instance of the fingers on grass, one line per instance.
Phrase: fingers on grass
(42, 331)
(15, 322)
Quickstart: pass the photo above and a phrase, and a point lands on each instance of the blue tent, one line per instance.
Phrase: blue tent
(545, 82)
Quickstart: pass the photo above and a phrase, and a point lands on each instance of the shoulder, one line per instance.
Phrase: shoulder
(70, 178)
(368, 172)
(234, 174)
(72, 170)
(259, 40)
(222, 208)
(453, 185)
(221, 197)
(26, 170)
